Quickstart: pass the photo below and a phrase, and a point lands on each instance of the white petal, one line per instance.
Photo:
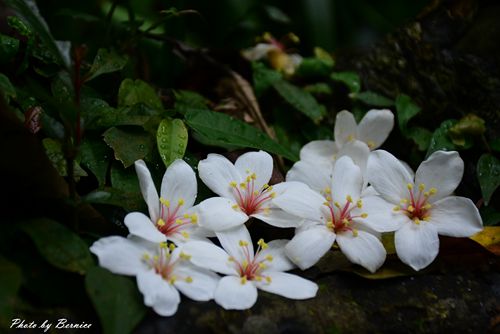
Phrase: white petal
(288, 285)
(375, 127)
(148, 189)
(231, 294)
(388, 176)
(443, 171)
(276, 217)
(417, 245)
(345, 128)
(364, 249)
(316, 175)
(302, 202)
(280, 261)
(201, 285)
(260, 163)
(209, 256)
(219, 213)
(140, 225)
(456, 217)
(230, 240)
(158, 293)
(319, 150)
(179, 182)
(358, 151)
(258, 52)
(217, 173)
(381, 216)
(346, 180)
(119, 255)
(309, 245)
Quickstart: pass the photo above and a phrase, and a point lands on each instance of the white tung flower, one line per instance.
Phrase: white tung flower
(373, 130)
(171, 216)
(248, 271)
(337, 214)
(161, 271)
(243, 189)
(421, 204)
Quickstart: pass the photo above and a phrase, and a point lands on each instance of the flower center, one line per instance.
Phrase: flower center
(340, 218)
(251, 199)
(163, 265)
(171, 221)
(251, 266)
(417, 206)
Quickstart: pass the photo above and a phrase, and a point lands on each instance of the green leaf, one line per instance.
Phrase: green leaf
(421, 136)
(462, 133)
(440, 139)
(54, 151)
(106, 61)
(171, 139)
(11, 277)
(60, 246)
(129, 145)
(95, 157)
(8, 48)
(225, 130)
(8, 90)
(406, 110)
(350, 79)
(488, 173)
(320, 88)
(314, 67)
(495, 145)
(132, 92)
(189, 99)
(38, 25)
(130, 201)
(116, 300)
(490, 216)
(263, 77)
(300, 100)
(372, 99)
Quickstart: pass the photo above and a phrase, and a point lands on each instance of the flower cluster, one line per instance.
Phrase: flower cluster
(341, 192)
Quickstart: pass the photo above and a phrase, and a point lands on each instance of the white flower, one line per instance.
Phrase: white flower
(421, 204)
(171, 216)
(244, 191)
(161, 271)
(373, 130)
(248, 271)
(339, 215)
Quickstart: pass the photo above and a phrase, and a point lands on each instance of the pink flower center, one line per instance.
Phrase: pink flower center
(340, 218)
(251, 266)
(171, 221)
(417, 206)
(252, 199)
(163, 264)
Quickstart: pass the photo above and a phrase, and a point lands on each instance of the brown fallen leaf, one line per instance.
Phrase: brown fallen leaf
(489, 238)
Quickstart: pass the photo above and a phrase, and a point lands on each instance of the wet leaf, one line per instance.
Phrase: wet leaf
(54, 151)
(319, 88)
(490, 216)
(372, 99)
(6, 88)
(106, 61)
(300, 100)
(421, 136)
(60, 246)
(350, 79)
(171, 140)
(95, 157)
(489, 238)
(185, 99)
(132, 92)
(8, 48)
(488, 173)
(388, 270)
(406, 109)
(440, 139)
(116, 300)
(263, 78)
(314, 67)
(129, 145)
(130, 201)
(11, 277)
(223, 130)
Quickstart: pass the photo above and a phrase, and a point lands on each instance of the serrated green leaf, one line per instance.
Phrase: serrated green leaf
(314, 67)
(421, 136)
(95, 157)
(116, 300)
(62, 88)
(223, 130)
(54, 151)
(440, 139)
(60, 246)
(350, 79)
(171, 140)
(8, 48)
(129, 145)
(132, 92)
(263, 77)
(188, 99)
(300, 100)
(11, 277)
(488, 173)
(406, 109)
(106, 61)
(8, 90)
(372, 99)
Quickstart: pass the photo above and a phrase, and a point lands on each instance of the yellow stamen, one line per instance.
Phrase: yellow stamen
(165, 202)
(244, 264)
(364, 215)
(396, 208)
(243, 243)
(427, 206)
(146, 257)
(272, 195)
(258, 278)
(269, 258)
(410, 208)
(262, 265)
(421, 187)
(328, 190)
(354, 232)
(404, 201)
(349, 198)
(163, 245)
(346, 221)
(268, 279)
(230, 259)
(185, 256)
(337, 204)
(359, 203)
(262, 244)
(350, 137)
(179, 221)
(253, 176)
(329, 224)
(235, 207)
(171, 247)
(181, 202)
(233, 184)
(173, 279)
(416, 221)
(371, 144)
(433, 191)
(194, 218)
(243, 185)
(243, 280)
(410, 186)
(160, 222)
(189, 279)
(185, 234)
